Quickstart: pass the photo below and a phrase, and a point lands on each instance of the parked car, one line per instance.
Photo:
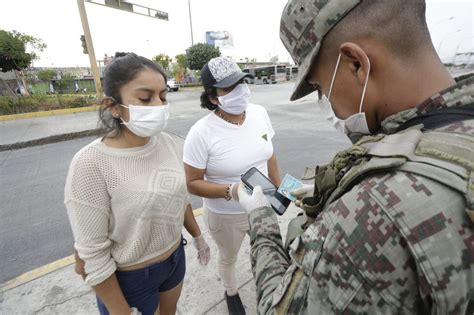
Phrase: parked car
(172, 85)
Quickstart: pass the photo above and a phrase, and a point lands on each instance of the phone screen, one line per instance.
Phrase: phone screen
(254, 177)
(258, 179)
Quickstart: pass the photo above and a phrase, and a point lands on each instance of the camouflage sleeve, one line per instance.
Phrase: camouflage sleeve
(390, 243)
(268, 257)
(365, 266)
(385, 247)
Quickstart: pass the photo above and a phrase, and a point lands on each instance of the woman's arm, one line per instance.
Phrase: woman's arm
(111, 295)
(190, 223)
(273, 171)
(88, 209)
(108, 291)
(199, 187)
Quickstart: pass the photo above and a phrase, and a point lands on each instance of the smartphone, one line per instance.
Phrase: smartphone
(253, 177)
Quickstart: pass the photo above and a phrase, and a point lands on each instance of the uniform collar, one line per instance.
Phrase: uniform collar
(458, 95)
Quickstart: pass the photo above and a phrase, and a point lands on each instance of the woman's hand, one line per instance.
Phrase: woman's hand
(135, 311)
(79, 266)
(252, 201)
(234, 191)
(204, 252)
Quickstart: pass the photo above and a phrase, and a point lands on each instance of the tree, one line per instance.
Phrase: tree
(181, 60)
(18, 51)
(163, 60)
(46, 75)
(179, 68)
(177, 72)
(274, 60)
(198, 55)
(66, 82)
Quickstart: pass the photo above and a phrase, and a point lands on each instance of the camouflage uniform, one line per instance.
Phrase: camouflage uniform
(393, 234)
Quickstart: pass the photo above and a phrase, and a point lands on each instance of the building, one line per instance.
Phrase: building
(222, 40)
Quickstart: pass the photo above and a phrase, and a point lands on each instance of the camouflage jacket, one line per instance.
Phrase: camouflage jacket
(396, 243)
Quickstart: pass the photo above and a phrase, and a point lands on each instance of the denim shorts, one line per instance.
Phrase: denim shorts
(141, 287)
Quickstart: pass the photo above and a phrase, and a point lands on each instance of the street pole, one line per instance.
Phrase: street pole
(191, 23)
(90, 47)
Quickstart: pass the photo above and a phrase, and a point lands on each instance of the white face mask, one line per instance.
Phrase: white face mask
(356, 123)
(147, 121)
(236, 101)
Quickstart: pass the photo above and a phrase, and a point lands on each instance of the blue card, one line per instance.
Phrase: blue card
(289, 184)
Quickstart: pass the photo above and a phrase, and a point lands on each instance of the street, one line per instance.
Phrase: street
(34, 229)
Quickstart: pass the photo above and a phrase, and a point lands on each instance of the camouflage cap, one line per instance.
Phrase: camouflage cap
(304, 23)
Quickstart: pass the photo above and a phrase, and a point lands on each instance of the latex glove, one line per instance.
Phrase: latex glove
(204, 252)
(135, 311)
(254, 201)
(303, 192)
(234, 189)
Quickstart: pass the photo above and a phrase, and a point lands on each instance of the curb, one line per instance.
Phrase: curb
(50, 139)
(51, 267)
(54, 112)
(36, 273)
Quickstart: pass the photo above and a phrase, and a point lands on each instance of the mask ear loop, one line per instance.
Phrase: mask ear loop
(334, 76)
(365, 88)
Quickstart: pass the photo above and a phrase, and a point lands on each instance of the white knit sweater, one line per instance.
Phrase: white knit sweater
(125, 206)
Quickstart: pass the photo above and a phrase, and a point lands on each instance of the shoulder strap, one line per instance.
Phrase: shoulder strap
(440, 118)
(441, 156)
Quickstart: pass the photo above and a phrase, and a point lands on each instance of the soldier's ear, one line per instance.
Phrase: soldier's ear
(357, 60)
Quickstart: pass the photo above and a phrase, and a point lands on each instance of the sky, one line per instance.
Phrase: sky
(254, 25)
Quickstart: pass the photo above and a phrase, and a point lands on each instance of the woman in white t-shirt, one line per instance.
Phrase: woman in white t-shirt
(218, 149)
(126, 198)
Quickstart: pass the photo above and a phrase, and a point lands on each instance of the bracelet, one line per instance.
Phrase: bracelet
(227, 195)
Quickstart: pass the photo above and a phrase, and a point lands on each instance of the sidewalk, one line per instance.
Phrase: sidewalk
(60, 291)
(63, 292)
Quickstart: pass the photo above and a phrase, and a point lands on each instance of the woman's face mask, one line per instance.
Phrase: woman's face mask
(356, 123)
(147, 121)
(236, 101)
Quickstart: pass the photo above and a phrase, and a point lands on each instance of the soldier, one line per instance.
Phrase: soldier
(388, 224)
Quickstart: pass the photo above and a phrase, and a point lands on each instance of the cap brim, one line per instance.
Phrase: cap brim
(232, 79)
(302, 88)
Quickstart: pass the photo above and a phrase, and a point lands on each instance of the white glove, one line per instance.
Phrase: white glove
(204, 253)
(135, 311)
(302, 192)
(234, 189)
(254, 201)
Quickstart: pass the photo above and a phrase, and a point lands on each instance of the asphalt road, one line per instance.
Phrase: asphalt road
(34, 229)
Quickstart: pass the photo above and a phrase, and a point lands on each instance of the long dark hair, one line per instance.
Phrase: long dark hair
(122, 70)
(205, 102)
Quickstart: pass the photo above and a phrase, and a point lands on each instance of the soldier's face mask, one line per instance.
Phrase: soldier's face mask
(356, 123)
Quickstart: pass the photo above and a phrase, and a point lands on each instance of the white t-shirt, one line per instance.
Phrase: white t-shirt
(226, 151)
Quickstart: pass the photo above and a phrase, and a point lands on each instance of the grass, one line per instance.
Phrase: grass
(27, 104)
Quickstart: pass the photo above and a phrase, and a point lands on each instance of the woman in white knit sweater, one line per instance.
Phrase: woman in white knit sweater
(126, 197)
